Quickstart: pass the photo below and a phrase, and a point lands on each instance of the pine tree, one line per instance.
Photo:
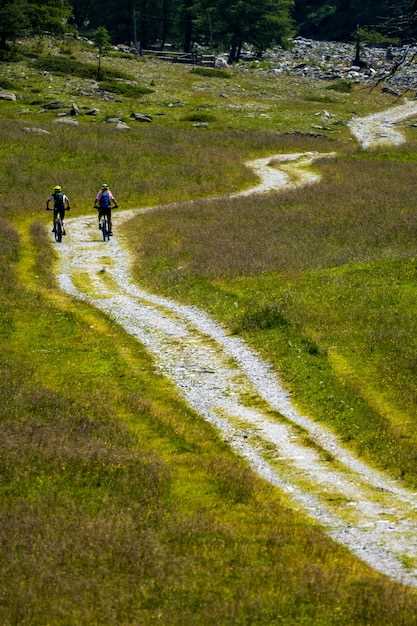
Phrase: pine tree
(102, 41)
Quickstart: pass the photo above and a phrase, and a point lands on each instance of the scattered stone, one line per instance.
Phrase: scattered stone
(8, 95)
(200, 124)
(113, 120)
(74, 110)
(141, 117)
(176, 104)
(66, 120)
(36, 131)
(56, 104)
(122, 126)
(391, 91)
(92, 112)
(221, 63)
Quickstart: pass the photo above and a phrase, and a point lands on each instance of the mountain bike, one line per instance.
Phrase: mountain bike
(104, 227)
(58, 228)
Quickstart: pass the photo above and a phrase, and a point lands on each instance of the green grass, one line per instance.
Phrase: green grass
(125, 89)
(208, 72)
(322, 283)
(65, 65)
(119, 505)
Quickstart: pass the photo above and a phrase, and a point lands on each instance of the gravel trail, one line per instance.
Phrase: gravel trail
(228, 384)
(379, 129)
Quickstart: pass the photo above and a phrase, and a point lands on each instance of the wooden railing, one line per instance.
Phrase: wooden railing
(206, 60)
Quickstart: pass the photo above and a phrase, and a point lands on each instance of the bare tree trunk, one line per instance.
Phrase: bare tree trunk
(188, 26)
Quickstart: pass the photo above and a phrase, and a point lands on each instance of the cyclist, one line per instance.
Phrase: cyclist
(61, 205)
(104, 203)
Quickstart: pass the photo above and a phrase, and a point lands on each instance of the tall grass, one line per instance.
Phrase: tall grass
(322, 281)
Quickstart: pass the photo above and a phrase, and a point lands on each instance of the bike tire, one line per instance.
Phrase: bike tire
(58, 231)
(104, 229)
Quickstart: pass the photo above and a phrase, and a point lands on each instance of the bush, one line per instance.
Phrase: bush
(125, 89)
(64, 65)
(198, 117)
(269, 316)
(214, 72)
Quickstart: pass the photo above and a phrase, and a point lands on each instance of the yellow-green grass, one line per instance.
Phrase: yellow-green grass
(119, 505)
(322, 281)
(249, 100)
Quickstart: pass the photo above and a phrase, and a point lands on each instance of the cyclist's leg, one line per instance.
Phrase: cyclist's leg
(109, 220)
(99, 214)
(54, 216)
(61, 213)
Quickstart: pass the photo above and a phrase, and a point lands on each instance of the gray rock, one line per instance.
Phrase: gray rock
(36, 131)
(92, 112)
(200, 125)
(8, 95)
(113, 120)
(122, 126)
(74, 110)
(221, 63)
(391, 91)
(67, 121)
(52, 106)
(141, 117)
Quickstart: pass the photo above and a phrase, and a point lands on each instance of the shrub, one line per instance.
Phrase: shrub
(198, 117)
(264, 318)
(125, 89)
(211, 72)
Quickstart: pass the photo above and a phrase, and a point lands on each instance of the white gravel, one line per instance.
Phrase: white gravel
(379, 129)
(371, 514)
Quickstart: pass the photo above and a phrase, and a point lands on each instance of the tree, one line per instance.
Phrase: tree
(14, 20)
(238, 22)
(102, 41)
(48, 15)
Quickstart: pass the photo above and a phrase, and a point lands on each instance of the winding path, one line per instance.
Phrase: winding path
(227, 383)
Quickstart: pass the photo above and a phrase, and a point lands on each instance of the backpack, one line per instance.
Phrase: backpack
(105, 200)
(59, 203)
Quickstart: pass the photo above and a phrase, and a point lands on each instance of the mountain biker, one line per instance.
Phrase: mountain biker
(104, 202)
(61, 205)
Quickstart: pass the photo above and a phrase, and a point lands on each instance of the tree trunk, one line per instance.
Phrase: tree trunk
(188, 26)
(99, 67)
(233, 53)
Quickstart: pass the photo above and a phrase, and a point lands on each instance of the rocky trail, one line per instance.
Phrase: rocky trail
(229, 385)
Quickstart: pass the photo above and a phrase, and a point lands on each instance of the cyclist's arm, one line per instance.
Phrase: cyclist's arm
(48, 202)
(67, 204)
(115, 205)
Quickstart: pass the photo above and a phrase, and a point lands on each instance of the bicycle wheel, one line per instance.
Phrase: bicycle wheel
(104, 228)
(58, 230)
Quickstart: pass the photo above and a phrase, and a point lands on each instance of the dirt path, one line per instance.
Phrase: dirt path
(379, 129)
(235, 390)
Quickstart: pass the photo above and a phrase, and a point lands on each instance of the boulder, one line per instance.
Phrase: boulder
(66, 120)
(200, 125)
(113, 120)
(8, 95)
(92, 112)
(221, 63)
(36, 131)
(74, 110)
(122, 126)
(391, 91)
(141, 117)
(52, 106)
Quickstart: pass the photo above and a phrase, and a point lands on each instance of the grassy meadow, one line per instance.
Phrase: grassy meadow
(118, 505)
